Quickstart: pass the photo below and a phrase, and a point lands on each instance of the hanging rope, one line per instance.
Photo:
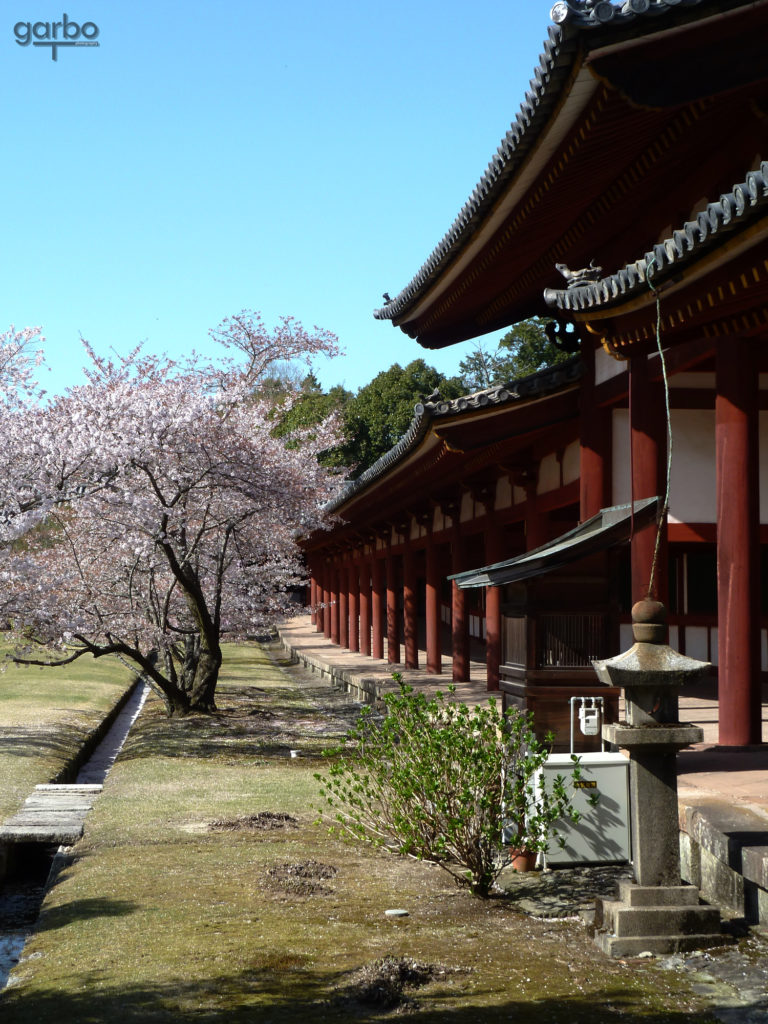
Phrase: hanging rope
(650, 270)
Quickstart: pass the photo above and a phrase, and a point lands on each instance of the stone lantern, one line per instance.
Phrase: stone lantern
(655, 913)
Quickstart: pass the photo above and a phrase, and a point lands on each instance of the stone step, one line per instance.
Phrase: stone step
(623, 921)
(73, 787)
(658, 896)
(55, 819)
(62, 834)
(43, 804)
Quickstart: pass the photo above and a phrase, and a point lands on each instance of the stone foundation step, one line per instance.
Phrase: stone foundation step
(660, 945)
(626, 921)
(724, 853)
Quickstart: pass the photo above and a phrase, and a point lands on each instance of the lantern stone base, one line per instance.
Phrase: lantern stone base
(656, 919)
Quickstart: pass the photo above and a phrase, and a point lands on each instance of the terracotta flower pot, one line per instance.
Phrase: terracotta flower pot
(522, 860)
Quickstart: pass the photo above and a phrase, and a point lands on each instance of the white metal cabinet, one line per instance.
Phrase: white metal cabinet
(601, 797)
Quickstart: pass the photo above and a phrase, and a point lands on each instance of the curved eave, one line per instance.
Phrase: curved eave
(745, 205)
(537, 385)
(533, 133)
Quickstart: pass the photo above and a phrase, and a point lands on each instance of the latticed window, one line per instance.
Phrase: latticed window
(569, 640)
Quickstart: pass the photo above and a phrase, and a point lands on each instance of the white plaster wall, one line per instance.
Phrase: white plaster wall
(763, 460)
(549, 474)
(571, 463)
(518, 495)
(606, 366)
(467, 508)
(696, 645)
(692, 491)
(503, 492)
(705, 381)
(693, 496)
(620, 478)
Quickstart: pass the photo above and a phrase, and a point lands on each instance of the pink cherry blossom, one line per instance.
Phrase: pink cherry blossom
(153, 513)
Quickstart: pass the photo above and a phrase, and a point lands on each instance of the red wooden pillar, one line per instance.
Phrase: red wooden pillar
(319, 597)
(353, 588)
(327, 597)
(313, 599)
(343, 605)
(459, 621)
(434, 621)
(365, 607)
(377, 607)
(493, 553)
(738, 531)
(393, 630)
(595, 444)
(536, 525)
(410, 621)
(648, 454)
(334, 604)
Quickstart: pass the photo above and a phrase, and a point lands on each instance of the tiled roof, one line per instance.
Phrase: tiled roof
(551, 379)
(589, 13)
(573, 19)
(747, 201)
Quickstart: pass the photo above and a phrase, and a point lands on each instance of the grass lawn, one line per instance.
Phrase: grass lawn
(46, 716)
(193, 897)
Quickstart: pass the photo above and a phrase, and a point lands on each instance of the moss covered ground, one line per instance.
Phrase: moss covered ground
(203, 890)
(46, 715)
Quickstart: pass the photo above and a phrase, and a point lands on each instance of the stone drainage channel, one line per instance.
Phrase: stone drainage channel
(53, 807)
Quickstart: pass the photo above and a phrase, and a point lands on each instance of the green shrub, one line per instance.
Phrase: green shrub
(440, 781)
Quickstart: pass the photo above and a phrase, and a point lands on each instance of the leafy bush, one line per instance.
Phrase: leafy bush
(440, 781)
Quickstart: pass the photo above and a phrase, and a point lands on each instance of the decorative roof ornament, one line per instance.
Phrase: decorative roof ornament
(578, 278)
(550, 80)
(590, 12)
(562, 335)
(746, 203)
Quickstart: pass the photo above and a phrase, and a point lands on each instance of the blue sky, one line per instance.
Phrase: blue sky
(286, 156)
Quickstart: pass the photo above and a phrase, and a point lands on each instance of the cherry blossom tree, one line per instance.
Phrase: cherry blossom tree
(182, 510)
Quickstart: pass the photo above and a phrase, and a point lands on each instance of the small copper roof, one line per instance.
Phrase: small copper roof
(611, 526)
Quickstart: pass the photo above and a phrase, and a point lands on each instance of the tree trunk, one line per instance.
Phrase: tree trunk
(177, 703)
(201, 697)
(191, 659)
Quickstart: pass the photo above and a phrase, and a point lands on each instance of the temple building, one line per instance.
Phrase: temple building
(628, 202)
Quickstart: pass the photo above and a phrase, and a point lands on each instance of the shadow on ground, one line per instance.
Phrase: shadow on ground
(272, 724)
(79, 910)
(283, 993)
(64, 741)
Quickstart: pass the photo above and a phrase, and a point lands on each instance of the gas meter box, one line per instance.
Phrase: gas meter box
(601, 796)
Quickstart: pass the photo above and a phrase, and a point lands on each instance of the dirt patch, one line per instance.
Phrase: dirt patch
(305, 878)
(385, 983)
(264, 821)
